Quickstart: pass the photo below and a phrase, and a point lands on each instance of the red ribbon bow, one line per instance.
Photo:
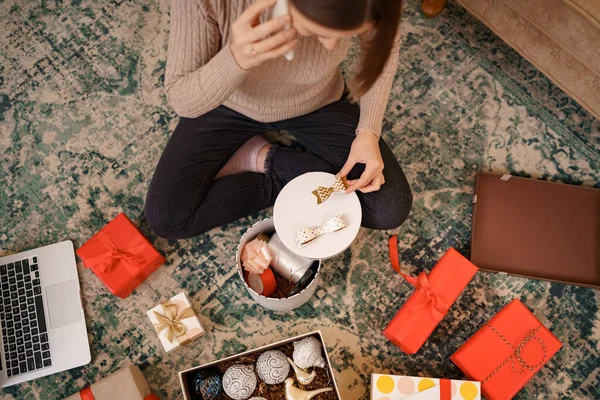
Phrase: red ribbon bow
(130, 256)
(429, 299)
(438, 308)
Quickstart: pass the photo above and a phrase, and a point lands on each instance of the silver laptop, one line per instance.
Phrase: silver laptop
(43, 326)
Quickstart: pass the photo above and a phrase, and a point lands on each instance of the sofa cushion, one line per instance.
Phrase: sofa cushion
(507, 22)
(572, 74)
(539, 48)
(566, 48)
(569, 26)
(589, 7)
(591, 97)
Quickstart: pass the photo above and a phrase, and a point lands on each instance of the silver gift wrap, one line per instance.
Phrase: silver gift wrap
(287, 264)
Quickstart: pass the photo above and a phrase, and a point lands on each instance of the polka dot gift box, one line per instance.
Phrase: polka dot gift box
(394, 387)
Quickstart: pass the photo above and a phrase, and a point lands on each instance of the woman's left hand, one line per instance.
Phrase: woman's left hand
(365, 150)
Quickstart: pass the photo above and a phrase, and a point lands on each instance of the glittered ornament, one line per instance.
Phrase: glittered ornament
(272, 367)
(307, 353)
(207, 385)
(239, 381)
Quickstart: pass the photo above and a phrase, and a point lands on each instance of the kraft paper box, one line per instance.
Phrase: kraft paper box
(125, 384)
(187, 376)
(175, 322)
(506, 352)
(434, 294)
(396, 387)
(120, 256)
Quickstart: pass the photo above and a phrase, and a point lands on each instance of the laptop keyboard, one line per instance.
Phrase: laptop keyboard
(23, 319)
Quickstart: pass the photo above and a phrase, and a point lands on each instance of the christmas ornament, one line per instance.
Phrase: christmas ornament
(272, 367)
(239, 381)
(307, 353)
(207, 385)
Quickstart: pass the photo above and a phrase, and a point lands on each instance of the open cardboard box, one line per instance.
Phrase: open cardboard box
(187, 375)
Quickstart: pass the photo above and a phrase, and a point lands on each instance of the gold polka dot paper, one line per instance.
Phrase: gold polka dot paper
(394, 387)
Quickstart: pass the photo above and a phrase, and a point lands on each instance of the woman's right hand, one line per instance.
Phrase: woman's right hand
(254, 43)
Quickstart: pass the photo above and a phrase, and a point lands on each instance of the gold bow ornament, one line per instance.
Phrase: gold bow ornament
(323, 193)
(169, 324)
(308, 235)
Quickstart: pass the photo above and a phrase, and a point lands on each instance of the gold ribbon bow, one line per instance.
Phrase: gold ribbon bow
(171, 321)
(306, 236)
(516, 356)
(322, 193)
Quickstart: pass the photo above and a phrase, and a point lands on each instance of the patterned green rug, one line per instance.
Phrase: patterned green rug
(83, 120)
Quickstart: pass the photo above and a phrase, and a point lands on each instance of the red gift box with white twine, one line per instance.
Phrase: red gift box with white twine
(507, 351)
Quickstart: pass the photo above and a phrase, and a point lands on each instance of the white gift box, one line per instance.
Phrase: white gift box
(192, 325)
(396, 387)
(184, 375)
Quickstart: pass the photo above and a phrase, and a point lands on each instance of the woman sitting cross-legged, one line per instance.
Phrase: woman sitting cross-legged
(228, 80)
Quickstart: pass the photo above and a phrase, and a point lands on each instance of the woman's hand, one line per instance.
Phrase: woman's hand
(255, 43)
(365, 150)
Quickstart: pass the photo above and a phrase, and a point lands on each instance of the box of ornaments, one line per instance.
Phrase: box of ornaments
(292, 369)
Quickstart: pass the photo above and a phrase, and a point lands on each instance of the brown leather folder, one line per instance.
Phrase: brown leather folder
(537, 229)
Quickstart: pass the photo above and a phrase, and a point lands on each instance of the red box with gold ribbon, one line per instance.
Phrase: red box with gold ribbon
(434, 294)
(507, 351)
(120, 256)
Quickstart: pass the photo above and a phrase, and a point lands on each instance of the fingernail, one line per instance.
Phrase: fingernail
(285, 18)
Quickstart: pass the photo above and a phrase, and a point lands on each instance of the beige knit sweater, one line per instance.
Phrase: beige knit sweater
(202, 74)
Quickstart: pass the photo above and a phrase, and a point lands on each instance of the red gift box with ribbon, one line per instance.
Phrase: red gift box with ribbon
(434, 294)
(120, 256)
(507, 351)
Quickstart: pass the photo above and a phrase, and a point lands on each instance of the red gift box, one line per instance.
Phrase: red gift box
(120, 256)
(433, 296)
(506, 352)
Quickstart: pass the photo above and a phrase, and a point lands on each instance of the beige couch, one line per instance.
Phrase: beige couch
(560, 37)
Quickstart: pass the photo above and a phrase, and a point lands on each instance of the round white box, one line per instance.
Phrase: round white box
(287, 304)
(296, 208)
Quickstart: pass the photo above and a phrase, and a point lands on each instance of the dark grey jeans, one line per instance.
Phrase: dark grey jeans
(184, 199)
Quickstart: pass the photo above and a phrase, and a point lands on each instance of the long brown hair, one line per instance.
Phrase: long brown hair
(352, 14)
